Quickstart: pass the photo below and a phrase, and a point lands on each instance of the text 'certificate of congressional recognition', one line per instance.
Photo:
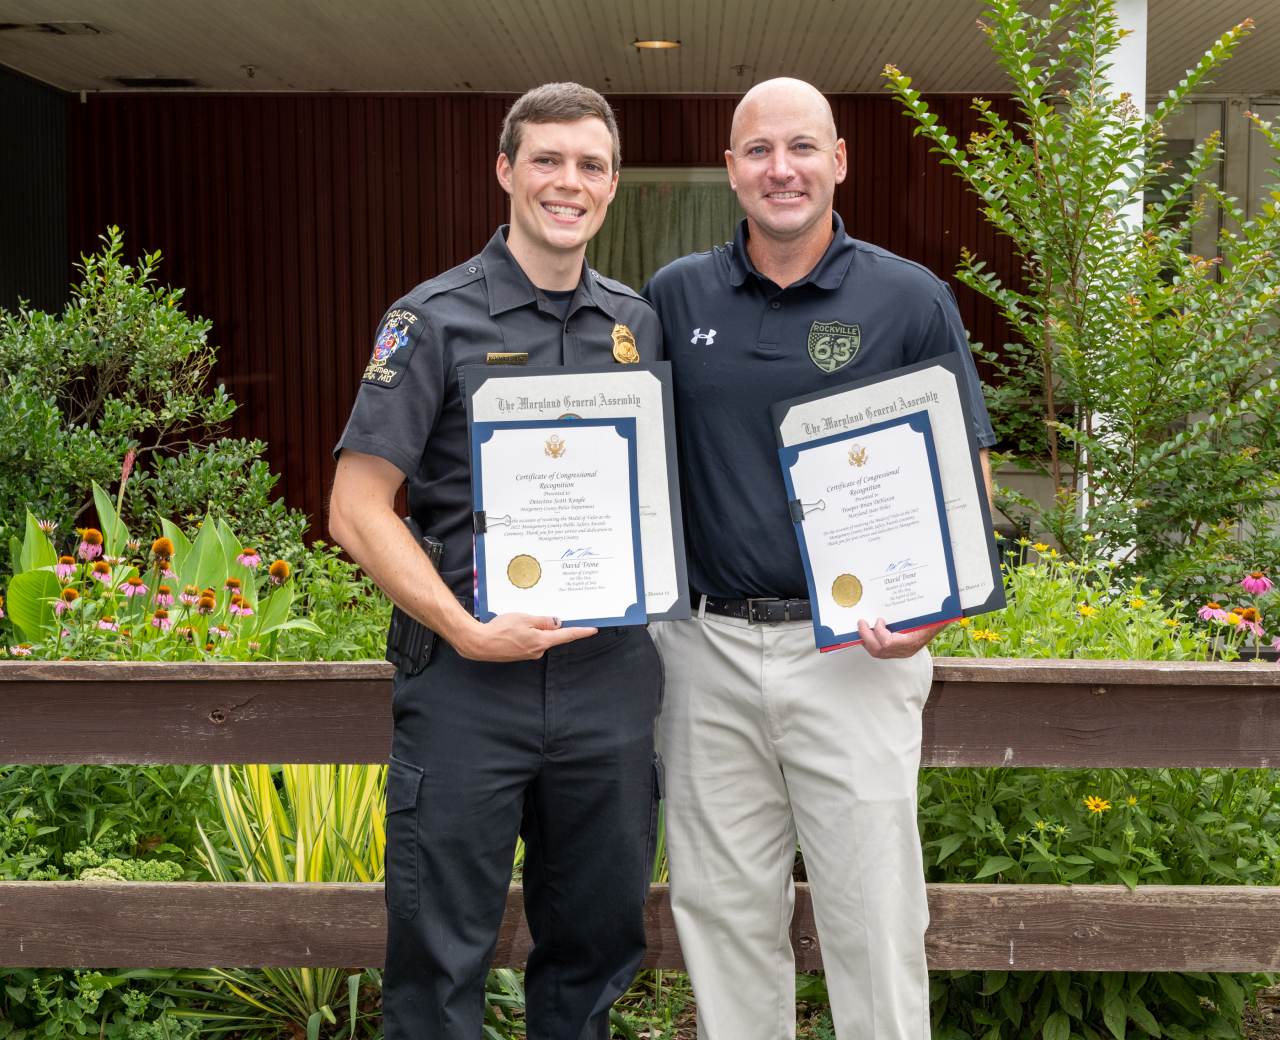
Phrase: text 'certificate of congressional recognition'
(872, 527)
(643, 392)
(936, 386)
(558, 520)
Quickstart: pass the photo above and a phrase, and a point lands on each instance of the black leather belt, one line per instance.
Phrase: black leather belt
(761, 610)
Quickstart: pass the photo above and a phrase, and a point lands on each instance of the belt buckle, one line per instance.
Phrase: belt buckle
(751, 610)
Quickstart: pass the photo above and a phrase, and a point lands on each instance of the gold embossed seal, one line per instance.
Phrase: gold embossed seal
(524, 572)
(624, 346)
(846, 590)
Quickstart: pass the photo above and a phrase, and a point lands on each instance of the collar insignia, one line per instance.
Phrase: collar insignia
(624, 346)
(833, 345)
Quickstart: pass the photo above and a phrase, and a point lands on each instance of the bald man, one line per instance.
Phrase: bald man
(762, 738)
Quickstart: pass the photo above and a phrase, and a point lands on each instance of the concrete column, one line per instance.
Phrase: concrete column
(1129, 71)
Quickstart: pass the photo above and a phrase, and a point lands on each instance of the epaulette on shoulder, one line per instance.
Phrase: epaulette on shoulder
(454, 278)
(613, 285)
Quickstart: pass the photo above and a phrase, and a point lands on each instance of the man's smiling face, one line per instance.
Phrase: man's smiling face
(561, 183)
(785, 160)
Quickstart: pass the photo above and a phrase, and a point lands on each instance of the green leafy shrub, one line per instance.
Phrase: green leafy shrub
(1141, 382)
(124, 369)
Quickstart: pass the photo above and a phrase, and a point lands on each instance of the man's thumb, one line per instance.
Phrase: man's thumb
(546, 624)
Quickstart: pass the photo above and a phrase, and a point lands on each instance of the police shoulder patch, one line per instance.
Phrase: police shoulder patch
(393, 347)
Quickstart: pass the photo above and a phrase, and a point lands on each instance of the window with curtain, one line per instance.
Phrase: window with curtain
(651, 223)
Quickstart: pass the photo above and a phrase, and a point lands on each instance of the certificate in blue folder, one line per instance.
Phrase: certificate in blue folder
(558, 520)
(871, 520)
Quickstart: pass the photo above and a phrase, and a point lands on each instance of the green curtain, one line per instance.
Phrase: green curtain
(649, 225)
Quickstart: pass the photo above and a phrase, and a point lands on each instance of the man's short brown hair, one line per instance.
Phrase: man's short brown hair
(556, 103)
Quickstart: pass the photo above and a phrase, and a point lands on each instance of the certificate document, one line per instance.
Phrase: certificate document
(501, 393)
(558, 520)
(937, 387)
(869, 514)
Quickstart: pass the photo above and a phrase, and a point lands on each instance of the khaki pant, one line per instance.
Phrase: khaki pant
(763, 739)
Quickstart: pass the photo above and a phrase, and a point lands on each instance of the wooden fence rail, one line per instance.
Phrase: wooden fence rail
(980, 713)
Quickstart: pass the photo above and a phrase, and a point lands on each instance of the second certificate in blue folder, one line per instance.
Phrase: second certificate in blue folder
(558, 521)
(869, 514)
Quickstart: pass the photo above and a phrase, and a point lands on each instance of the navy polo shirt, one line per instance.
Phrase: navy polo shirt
(410, 409)
(738, 344)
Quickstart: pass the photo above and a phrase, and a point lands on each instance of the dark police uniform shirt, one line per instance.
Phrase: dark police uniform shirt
(410, 410)
(738, 344)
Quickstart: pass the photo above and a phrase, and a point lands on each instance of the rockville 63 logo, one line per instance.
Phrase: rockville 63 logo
(833, 345)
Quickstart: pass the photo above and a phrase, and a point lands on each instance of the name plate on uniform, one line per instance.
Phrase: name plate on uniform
(869, 515)
(558, 521)
(641, 392)
(936, 387)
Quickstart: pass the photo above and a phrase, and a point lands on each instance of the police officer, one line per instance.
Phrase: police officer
(518, 726)
(761, 736)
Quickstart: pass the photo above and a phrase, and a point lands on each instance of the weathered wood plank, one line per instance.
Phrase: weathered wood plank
(982, 712)
(1064, 725)
(1027, 927)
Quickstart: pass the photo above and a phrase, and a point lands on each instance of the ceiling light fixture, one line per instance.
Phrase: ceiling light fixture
(657, 45)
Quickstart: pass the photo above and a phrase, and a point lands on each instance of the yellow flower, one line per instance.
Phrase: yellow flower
(1087, 610)
(1170, 623)
(964, 622)
(987, 634)
(1133, 799)
(1052, 554)
(1096, 805)
(997, 534)
(1040, 547)
(1137, 604)
(1233, 618)
(1039, 825)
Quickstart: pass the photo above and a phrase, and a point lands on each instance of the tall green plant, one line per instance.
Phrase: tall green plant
(323, 823)
(1141, 380)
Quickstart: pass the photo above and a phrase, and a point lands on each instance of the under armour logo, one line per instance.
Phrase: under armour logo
(708, 337)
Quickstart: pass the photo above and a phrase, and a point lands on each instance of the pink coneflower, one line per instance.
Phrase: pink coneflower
(162, 549)
(190, 596)
(233, 584)
(249, 558)
(47, 526)
(133, 545)
(219, 630)
(101, 571)
(1255, 583)
(279, 572)
(66, 567)
(1, 606)
(68, 597)
(164, 596)
(206, 604)
(1211, 612)
(108, 623)
(113, 560)
(21, 650)
(90, 544)
(255, 646)
(134, 587)
(160, 620)
(240, 606)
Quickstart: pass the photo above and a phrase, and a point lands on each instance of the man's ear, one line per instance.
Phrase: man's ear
(842, 161)
(504, 171)
(728, 161)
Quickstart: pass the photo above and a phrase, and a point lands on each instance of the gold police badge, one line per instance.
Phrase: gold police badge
(833, 345)
(624, 346)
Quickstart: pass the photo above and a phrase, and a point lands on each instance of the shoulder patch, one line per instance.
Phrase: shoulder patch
(613, 285)
(393, 347)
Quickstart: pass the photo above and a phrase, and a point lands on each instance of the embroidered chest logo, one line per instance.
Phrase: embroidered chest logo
(707, 337)
(394, 335)
(624, 346)
(555, 447)
(833, 345)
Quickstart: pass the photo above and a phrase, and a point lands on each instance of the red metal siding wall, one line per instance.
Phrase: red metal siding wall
(293, 221)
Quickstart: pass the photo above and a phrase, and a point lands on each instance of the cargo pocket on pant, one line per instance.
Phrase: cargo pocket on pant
(403, 783)
(657, 843)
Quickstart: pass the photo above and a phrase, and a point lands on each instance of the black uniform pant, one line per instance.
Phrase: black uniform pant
(560, 751)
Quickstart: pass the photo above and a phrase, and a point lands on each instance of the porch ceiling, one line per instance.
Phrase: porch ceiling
(510, 45)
